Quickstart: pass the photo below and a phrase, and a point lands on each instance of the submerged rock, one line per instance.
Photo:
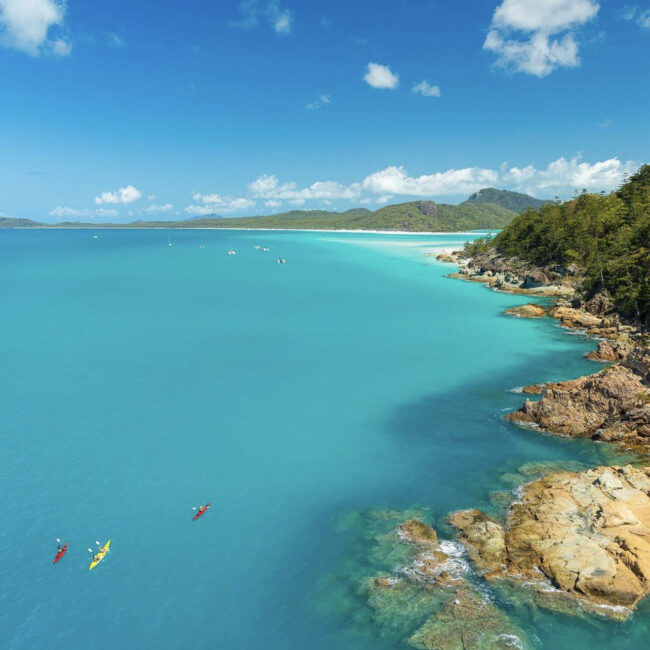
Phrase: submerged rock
(417, 532)
(583, 535)
(437, 582)
(468, 621)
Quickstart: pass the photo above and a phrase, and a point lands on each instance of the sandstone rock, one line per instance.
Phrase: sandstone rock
(592, 405)
(529, 310)
(535, 278)
(484, 539)
(600, 303)
(576, 318)
(610, 351)
(533, 389)
(587, 532)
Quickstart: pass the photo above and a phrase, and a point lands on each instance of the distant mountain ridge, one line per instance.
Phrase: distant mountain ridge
(476, 213)
(514, 201)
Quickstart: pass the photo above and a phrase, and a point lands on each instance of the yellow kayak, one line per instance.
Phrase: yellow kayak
(100, 555)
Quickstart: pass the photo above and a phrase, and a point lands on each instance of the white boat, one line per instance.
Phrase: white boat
(281, 260)
(266, 250)
(95, 236)
(231, 252)
(170, 241)
(257, 247)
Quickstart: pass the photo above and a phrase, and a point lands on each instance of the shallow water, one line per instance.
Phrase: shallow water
(139, 380)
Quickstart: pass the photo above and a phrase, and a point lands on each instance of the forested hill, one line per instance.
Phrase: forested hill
(607, 235)
(514, 201)
(416, 216)
(410, 217)
(475, 213)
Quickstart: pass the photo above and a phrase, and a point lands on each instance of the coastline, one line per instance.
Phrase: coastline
(325, 230)
(554, 528)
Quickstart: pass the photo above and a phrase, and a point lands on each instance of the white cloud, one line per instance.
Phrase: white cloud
(297, 202)
(210, 203)
(565, 175)
(268, 187)
(283, 22)
(382, 200)
(395, 180)
(154, 209)
(380, 76)
(271, 203)
(642, 18)
(426, 89)
(24, 26)
(544, 34)
(321, 101)
(240, 204)
(279, 18)
(60, 211)
(127, 194)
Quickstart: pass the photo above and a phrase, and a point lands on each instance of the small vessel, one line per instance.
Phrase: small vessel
(170, 241)
(95, 236)
(60, 551)
(201, 510)
(281, 260)
(257, 247)
(231, 252)
(266, 250)
(101, 554)
(201, 245)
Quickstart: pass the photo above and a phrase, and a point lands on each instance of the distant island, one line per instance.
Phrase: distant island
(487, 209)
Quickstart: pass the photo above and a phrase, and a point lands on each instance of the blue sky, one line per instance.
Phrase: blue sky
(116, 110)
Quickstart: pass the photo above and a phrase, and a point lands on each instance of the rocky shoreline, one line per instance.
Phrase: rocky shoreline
(611, 405)
(572, 539)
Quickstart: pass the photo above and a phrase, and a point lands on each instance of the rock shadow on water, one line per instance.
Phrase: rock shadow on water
(458, 445)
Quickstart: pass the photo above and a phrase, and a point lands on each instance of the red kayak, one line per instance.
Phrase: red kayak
(61, 553)
(201, 511)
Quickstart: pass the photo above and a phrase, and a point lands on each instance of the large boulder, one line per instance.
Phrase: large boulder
(529, 310)
(585, 534)
(610, 351)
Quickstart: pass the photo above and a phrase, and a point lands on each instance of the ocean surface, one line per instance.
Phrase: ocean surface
(313, 403)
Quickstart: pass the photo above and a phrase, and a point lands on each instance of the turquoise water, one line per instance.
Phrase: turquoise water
(139, 380)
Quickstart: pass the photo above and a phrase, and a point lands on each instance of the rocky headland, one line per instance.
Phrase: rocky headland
(612, 405)
(579, 538)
